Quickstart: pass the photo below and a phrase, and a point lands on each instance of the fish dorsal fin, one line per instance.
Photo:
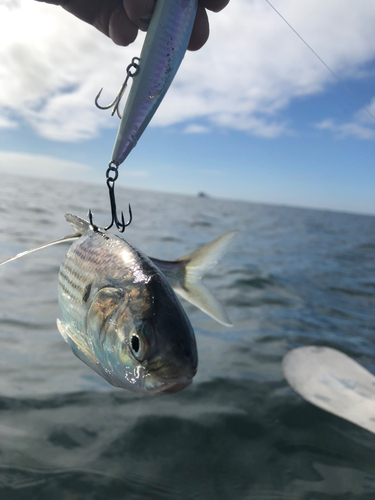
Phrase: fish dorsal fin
(80, 226)
(71, 237)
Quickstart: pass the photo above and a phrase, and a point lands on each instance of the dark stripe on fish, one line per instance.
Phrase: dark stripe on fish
(64, 288)
(87, 293)
(65, 276)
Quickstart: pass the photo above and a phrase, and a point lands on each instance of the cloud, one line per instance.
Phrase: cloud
(6, 123)
(361, 127)
(196, 129)
(245, 77)
(367, 113)
(43, 166)
(53, 65)
(350, 129)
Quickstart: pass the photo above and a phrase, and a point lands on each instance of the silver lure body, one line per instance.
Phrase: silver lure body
(164, 48)
(121, 317)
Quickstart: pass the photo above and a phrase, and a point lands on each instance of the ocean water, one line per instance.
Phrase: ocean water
(292, 277)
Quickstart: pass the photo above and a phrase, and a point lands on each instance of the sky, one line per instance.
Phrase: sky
(254, 115)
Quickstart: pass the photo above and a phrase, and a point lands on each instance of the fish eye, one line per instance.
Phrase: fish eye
(137, 346)
(140, 341)
(135, 343)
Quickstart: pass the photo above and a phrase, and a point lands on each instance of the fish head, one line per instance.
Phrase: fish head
(141, 338)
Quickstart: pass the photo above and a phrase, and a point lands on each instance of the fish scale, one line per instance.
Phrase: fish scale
(88, 262)
(76, 273)
(73, 286)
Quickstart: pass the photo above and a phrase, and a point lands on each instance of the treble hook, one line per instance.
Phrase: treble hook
(121, 225)
(116, 102)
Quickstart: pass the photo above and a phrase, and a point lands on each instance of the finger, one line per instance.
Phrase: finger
(95, 12)
(120, 28)
(54, 2)
(214, 5)
(109, 17)
(139, 12)
(200, 31)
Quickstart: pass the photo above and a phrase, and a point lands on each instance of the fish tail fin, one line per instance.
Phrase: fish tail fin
(196, 265)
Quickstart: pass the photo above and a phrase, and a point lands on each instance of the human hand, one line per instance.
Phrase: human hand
(121, 19)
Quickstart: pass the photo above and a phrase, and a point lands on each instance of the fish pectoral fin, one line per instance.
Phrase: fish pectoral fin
(83, 351)
(71, 237)
(74, 340)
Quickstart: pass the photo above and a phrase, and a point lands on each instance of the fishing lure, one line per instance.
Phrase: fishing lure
(164, 48)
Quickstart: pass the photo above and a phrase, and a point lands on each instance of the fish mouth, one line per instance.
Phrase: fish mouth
(170, 377)
(178, 385)
(159, 386)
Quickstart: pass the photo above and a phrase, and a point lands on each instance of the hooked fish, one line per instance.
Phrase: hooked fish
(120, 315)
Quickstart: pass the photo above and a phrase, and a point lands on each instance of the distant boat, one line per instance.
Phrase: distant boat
(201, 194)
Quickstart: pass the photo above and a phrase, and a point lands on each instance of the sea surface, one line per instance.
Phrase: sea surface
(292, 277)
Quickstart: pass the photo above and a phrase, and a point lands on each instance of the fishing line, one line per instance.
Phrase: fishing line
(321, 60)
